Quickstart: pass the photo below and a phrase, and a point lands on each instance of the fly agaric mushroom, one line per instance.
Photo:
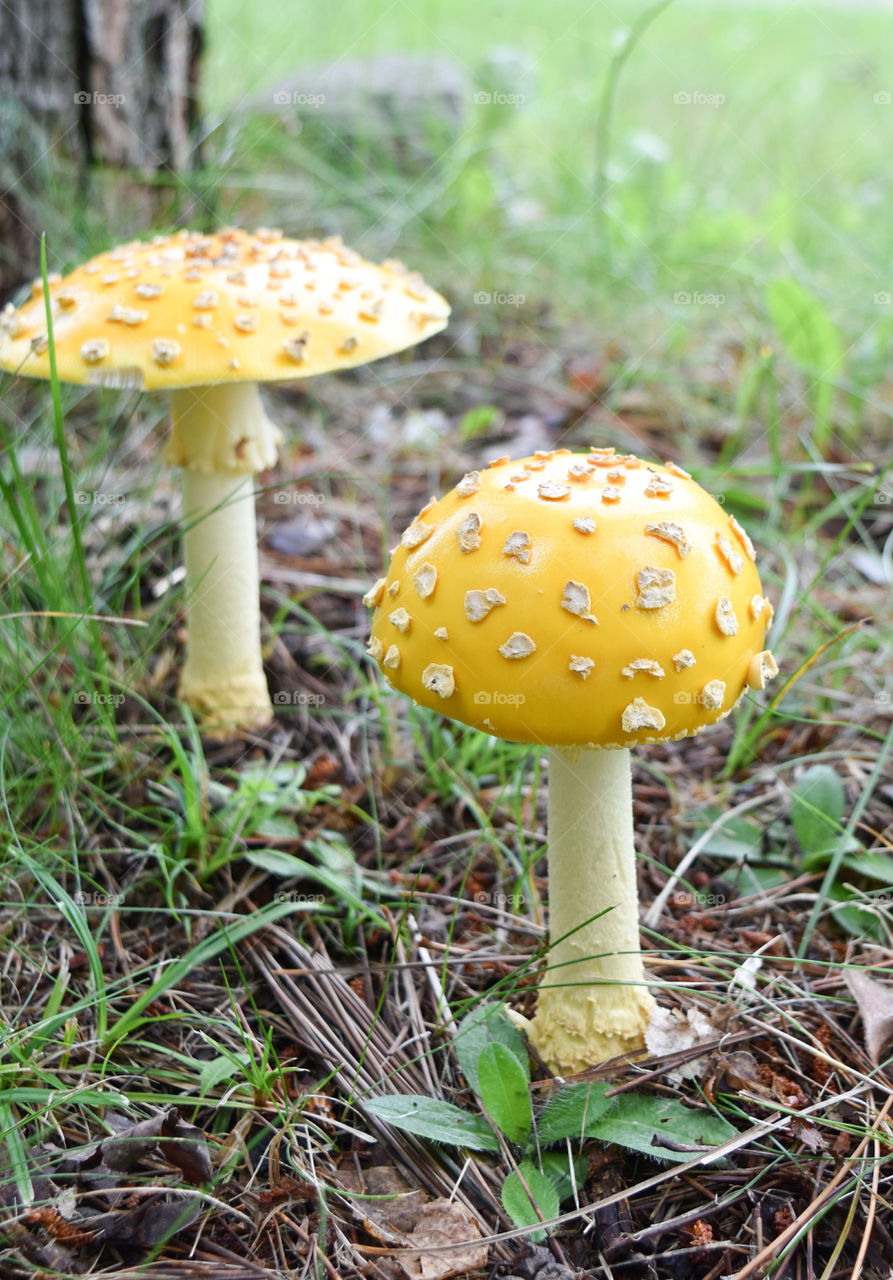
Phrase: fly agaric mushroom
(583, 602)
(209, 317)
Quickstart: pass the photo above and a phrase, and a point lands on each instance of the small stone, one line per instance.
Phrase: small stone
(584, 524)
(374, 594)
(725, 616)
(712, 695)
(518, 645)
(761, 669)
(468, 532)
(391, 658)
(657, 588)
(439, 678)
(552, 491)
(425, 579)
(469, 484)
(478, 604)
(517, 544)
(672, 533)
(576, 600)
(580, 665)
(638, 715)
(94, 350)
(643, 664)
(684, 658)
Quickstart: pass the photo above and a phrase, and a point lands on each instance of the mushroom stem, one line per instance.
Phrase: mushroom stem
(221, 437)
(593, 1003)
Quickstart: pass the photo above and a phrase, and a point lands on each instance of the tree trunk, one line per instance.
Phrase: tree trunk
(86, 83)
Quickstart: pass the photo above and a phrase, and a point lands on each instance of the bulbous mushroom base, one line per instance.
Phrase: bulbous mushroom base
(226, 708)
(577, 1027)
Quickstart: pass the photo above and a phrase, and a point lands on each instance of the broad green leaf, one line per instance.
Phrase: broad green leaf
(858, 920)
(557, 1167)
(638, 1119)
(516, 1201)
(572, 1112)
(817, 806)
(219, 1069)
(486, 1024)
(431, 1118)
(504, 1090)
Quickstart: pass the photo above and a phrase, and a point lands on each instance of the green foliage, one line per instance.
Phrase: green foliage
(431, 1118)
(817, 805)
(812, 341)
(517, 1202)
(661, 1128)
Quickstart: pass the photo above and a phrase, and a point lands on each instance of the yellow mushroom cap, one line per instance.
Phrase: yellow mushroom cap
(573, 599)
(193, 309)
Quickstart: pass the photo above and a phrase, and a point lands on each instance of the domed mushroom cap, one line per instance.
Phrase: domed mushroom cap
(574, 599)
(192, 309)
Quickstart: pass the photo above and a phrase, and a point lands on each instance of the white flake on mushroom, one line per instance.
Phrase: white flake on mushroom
(375, 648)
(610, 493)
(580, 665)
(439, 678)
(725, 617)
(658, 487)
(576, 600)
(478, 604)
(94, 350)
(743, 538)
(657, 587)
(165, 351)
(391, 658)
(127, 315)
(469, 484)
(639, 715)
(553, 491)
(425, 579)
(441, 633)
(517, 544)
(374, 594)
(518, 645)
(712, 695)
(400, 619)
(684, 658)
(757, 604)
(672, 533)
(416, 534)
(761, 669)
(394, 587)
(584, 524)
(728, 553)
(468, 532)
(647, 665)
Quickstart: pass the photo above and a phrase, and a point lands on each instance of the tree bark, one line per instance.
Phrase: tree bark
(85, 83)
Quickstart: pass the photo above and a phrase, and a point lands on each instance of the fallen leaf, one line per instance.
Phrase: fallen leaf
(876, 1007)
(443, 1223)
(389, 1220)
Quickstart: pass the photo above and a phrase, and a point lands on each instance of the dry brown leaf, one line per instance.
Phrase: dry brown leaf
(876, 1007)
(390, 1220)
(443, 1223)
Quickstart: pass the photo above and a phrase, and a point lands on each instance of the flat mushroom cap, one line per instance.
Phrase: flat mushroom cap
(192, 309)
(572, 599)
